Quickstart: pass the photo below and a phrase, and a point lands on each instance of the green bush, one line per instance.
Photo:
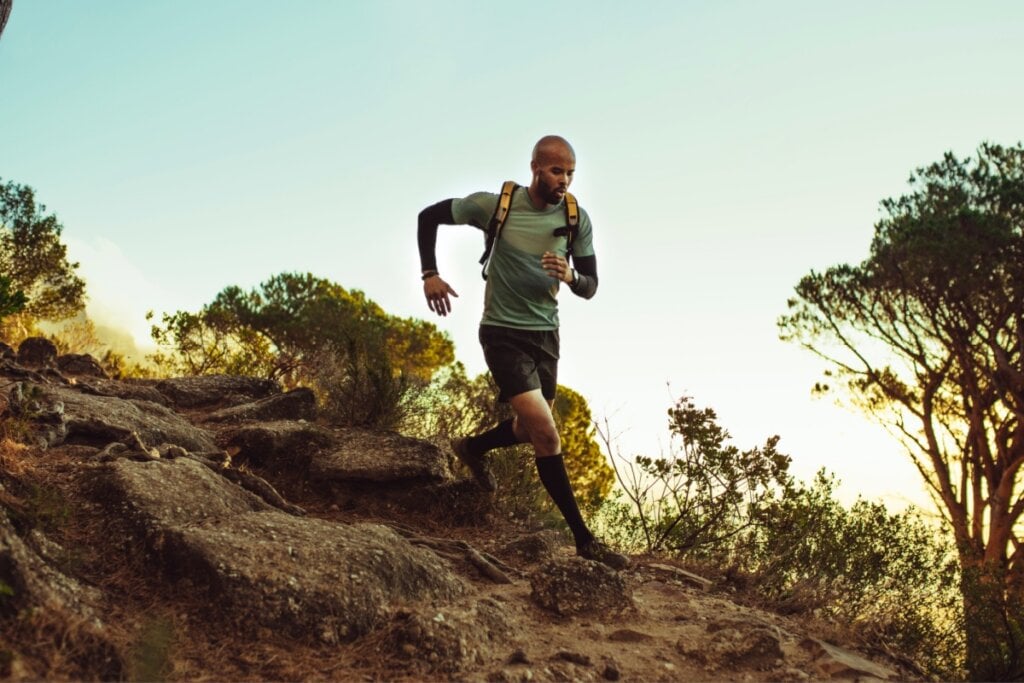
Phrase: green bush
(453, 406)
(891, 578)
(11, 302)
(357, 386)
(701, 494)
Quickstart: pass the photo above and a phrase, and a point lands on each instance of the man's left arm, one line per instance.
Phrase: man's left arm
(585, 284)
(584, 260)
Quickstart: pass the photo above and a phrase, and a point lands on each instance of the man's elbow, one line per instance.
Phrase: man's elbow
(436, 214)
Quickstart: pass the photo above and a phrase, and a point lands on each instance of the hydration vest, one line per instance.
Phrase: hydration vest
(493, 230)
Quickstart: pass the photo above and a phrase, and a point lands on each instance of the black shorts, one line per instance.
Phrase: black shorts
(521, 360)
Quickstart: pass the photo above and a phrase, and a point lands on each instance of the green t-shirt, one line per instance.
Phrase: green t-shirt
(519, 292)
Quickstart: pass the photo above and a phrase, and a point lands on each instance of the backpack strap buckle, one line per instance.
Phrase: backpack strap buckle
(497, 220)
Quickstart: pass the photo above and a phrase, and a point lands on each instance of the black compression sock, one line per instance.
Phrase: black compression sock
(556, 480)
(496, 437)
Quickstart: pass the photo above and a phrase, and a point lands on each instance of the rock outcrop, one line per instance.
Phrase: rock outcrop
(262, 567)
(361, 456)
(66, 415)
(31, 585)
(238, 512)
(37, 352)
(299, 404)
(216, 391)
(278, 445)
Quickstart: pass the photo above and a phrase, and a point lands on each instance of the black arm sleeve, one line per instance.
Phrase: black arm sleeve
(426, 233)
(586, 272)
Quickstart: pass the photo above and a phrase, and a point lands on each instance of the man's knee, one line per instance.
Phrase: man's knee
(534, 417)
(543, 436)
(549, 444)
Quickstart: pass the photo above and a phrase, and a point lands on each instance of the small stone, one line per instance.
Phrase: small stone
(628, 635)
(611, 672)
(518, 657)
(574, 657)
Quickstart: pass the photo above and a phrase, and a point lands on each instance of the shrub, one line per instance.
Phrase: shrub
(701, 494)
(892, 579)
(357, 386)
(892, 576)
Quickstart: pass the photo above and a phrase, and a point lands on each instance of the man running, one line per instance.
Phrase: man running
(525, 269)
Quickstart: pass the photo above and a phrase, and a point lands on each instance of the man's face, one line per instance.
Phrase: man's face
(552, 173)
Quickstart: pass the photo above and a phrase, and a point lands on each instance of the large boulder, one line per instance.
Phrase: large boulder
(534, 547)
(363, 456)
(204, 391)
(278, 445)
(264, 568)
(577, 586)
(80, 364)
(37, 352)
(99, 420)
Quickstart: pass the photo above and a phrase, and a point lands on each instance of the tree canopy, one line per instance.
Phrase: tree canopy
(33, 258)
(280, 330)
(927, 334)
(11, 302)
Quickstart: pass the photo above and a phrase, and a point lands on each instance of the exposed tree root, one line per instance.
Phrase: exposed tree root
(488, 565)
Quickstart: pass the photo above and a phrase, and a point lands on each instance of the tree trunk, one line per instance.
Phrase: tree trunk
(993, 622)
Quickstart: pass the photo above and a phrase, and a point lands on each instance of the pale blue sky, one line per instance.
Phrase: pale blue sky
(724, 149)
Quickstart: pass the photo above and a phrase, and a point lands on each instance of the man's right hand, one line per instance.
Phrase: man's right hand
(437, 290)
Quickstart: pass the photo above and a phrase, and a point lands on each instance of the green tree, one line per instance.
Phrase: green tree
(363, 363)
(591, 475)
(282, 329)
(455, 405)
(34, 260)
(10, 302)
(927, 335)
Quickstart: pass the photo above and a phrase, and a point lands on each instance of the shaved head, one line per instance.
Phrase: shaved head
(553, 165)
(551, 146)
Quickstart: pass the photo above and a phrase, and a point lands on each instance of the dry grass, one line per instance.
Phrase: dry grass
(15, 458)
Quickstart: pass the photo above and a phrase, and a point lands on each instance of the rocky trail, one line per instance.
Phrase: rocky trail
(211, 528)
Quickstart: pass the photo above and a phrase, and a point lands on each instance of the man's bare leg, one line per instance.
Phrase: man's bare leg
(534, 417)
